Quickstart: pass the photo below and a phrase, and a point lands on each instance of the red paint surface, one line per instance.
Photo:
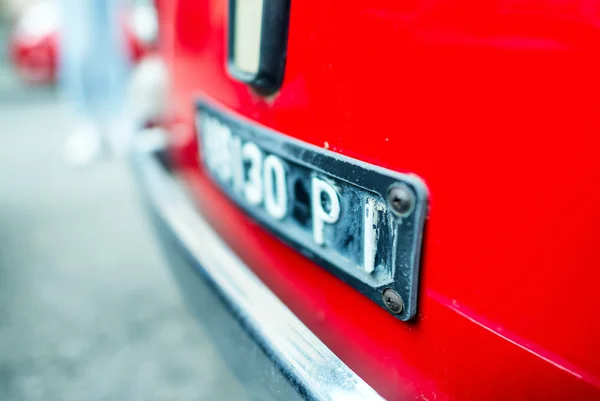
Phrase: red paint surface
(496, 106)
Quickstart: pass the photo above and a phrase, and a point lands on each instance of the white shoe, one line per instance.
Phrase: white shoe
(84, 145)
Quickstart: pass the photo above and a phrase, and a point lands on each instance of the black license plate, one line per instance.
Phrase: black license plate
(361, 222)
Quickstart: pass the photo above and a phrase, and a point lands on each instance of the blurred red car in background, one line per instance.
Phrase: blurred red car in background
(34, 45)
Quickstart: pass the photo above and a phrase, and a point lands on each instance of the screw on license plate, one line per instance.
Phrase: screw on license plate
(393, 301)
(400, 199)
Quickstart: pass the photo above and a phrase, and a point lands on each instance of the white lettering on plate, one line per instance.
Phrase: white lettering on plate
(372, 208)
(237, 167)
(209, 141)
(219, 157)
(274, 178)
(262, 179)
(253, 187)
(320, 216)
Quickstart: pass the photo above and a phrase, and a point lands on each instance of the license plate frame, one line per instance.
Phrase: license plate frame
(398, 238)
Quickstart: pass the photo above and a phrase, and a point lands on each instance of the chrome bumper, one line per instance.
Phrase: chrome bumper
(205, 267)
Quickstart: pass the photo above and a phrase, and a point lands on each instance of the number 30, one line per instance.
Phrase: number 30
(266, 181)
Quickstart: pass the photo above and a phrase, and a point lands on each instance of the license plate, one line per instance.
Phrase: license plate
(361, 222)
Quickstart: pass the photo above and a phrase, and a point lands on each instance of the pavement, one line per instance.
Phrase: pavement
(88, 310)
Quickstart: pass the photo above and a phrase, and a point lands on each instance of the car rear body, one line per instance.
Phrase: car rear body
(494, 106)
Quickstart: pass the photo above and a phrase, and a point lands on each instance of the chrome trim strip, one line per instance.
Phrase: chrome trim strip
(313, 367)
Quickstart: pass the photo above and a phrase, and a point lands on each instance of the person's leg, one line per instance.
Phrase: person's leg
(94, 74)
(111, 66)
(84, 143)
(71, 55)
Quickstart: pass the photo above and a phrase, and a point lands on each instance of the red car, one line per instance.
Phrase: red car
(386, 199)
(34, 43)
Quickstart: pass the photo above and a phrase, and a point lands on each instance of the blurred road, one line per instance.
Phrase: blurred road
(88, 311)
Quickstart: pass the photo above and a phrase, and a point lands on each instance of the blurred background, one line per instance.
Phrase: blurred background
(87, 307)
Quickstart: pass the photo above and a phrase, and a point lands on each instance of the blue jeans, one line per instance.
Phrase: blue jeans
(94, 61)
